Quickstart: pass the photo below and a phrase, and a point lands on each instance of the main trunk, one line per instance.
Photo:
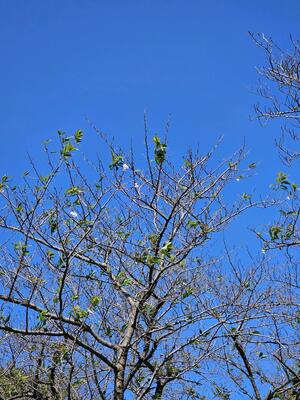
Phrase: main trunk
(119, 380)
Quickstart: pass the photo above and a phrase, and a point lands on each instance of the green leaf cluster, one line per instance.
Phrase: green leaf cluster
(67, 150)
(160, 150)
(78, 313)
(166, 249)
(283, 183)
(95, 300)
(116, 161)
(78, 135)
(3, 182)
(73, 191)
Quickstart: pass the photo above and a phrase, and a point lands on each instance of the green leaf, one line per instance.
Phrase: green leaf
(108, 331)
(126, 282)
(152, 260)
(44, 178)
(195, 341)
(160, 150)
(123, 327)
(166, 249)
(246, 196)
(79, 313)
(20, 246)
(252, 165)
(78, 135)
(232, 165)
(43, 315)
(187, 293)
(73, 191)
(274, 232)
(19, 207)
(53, 224)
(50, 255)
(95, 300)
(67, 149)
(117, 161)
(193, 223)
(153, 238)
(4, 178)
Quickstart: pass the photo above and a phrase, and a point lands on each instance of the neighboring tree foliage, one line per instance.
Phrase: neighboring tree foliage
(281, 91)
(113, 287)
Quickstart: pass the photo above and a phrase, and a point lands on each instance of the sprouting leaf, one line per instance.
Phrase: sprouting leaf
(246, 196)
(4, 178)
(126, 282)
(4, 318)
(67, 149)
(294, 187)
(152, 260)
(274, 232)
(78, 135)
(108, 331)
(19, 207)
(43, 315)
(50, 254)
(73, 191)
(160, 150)
(153, 238)
(261, 354)
(148, 309)
(95, 300)
(123, 327)
(20, 246)
(53, 223)
(44, 178)
(187, 293)
(252, 165)
(123, 279)
(79, 313)
(117, 161)
(232, 165)
(283, 183)
(167, 248)
(188, 164)
(289, 232)
(195, 341)
(193, 223)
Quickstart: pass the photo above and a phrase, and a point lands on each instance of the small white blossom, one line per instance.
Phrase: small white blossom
(73, 214)
(136, 185)
(125, 167)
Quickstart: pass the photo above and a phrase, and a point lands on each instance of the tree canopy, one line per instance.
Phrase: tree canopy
(112, 287)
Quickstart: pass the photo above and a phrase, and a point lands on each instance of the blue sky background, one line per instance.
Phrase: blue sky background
(188, 61)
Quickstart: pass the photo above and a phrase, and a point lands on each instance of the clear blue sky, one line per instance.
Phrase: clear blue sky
(191, 61)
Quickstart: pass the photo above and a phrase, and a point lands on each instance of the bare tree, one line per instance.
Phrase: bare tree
(105, 283)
